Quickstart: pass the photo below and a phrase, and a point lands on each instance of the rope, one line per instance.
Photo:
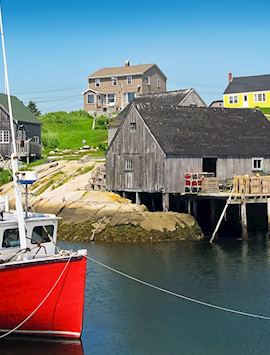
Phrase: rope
(202, 303)
(40, 304)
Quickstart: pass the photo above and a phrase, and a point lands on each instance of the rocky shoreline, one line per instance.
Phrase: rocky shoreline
(99, 215)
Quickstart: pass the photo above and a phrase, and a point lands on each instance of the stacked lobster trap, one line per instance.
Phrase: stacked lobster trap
(194, 182)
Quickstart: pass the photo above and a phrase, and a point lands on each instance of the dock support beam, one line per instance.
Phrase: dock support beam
(268, 212)
(165, 202)
(138, 200)
(189, 206)
(244, 219)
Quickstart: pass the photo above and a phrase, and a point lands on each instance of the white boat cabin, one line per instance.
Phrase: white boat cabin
(41, 235)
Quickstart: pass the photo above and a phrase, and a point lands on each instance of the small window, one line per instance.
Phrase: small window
(114, 82)
(259, 97)
(128, 165)
(91, 99)
(231, 99)
(148, 80)
(42, 234)
(257, 164)
(158, 83)
(11, 238)
(97, 83)
(235, 99)
(4, 136)
(133, 126)
(129, 80)
(245, 98)
(35, 139)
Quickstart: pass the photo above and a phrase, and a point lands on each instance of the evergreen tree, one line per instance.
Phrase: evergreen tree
(33, 108)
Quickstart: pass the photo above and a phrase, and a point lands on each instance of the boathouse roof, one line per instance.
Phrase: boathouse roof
(200, 131)
(20, 112)
(248, 84)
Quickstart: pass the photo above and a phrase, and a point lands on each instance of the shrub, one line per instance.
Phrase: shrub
(50, 140)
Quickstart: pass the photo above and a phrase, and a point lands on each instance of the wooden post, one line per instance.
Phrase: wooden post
(189, 206)
(124, 194)
(244, 219)
(165, 202)
(138, 200)
(195, 209)
(268, 212)
(212, 214)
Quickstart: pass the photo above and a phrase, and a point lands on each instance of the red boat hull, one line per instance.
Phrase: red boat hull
(24, 286)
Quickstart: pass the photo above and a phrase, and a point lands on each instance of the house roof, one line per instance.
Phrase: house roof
(20, 112)
(173, 98)
(248, 84)
(168, 98)
(200, 131)
(120, 71)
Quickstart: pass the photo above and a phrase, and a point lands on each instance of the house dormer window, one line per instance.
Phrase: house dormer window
(97, 83)
(129, 80)
(257, 164)
(114, 82)
(259, 97)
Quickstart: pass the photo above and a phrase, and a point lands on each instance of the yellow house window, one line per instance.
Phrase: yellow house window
(233, 99)
(259, 97)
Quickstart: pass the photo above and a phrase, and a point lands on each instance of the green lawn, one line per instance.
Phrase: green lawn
(67, 130)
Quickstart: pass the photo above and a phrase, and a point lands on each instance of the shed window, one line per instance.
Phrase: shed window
(4, 136)
(257, 164)
(42, 234)
(97, 83)
(133, 126)
(91, 99)
(158, 83)
(148, 80)
(11, 238)
(128, 165)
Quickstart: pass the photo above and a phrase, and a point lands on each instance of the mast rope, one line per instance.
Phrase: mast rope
(40, 304)
(186, 298)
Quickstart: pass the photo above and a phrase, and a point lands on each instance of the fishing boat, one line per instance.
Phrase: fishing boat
(42, 287)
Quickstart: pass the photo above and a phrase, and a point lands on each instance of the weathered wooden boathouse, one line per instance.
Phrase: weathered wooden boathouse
(156, 145)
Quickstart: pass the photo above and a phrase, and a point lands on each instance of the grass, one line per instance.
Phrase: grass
(5, 177)
(84, 170)
(71, 129)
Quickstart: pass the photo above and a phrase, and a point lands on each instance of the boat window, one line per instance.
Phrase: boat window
(11, 238)
(42, 234)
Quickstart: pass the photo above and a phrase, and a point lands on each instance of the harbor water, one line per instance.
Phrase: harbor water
(125, 317)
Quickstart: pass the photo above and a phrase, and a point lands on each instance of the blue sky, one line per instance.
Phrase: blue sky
(52, 46)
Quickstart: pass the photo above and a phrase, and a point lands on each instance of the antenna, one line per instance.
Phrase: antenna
(14, 157)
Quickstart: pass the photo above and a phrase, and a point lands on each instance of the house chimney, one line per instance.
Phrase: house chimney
(230, 77)
(127, 63)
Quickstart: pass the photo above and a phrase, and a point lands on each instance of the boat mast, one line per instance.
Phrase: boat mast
(14, 156)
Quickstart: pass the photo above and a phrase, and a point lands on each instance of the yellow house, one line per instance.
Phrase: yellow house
(248, 92)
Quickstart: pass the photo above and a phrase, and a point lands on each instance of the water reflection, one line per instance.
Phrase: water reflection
(18, 345)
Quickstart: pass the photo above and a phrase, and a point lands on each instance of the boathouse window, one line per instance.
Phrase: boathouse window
(257, 164)
(90, 99)
(42, 234)
(4, 136)
(128, 165)
(11, 238)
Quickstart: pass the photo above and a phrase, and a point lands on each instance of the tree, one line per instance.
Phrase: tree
(33, 108)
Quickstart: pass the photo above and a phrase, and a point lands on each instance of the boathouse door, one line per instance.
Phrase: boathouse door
(209, 165)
